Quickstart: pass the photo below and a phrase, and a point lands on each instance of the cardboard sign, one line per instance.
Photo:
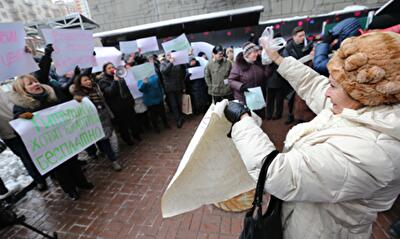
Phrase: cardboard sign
(71, 48)
(147, 44)
(56, 134)
(128, 47)
(255, 98)
(202, 47)
(196, 72)
(181, 57)
(131, 82)
(14, 61)
(105, 55)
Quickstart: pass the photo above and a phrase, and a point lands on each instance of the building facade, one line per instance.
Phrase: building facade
(30, 11)
(114, 14)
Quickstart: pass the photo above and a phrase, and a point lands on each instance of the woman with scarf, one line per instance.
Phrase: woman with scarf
(121, 102)
(248, 72)
(85, 87)
(30, 96)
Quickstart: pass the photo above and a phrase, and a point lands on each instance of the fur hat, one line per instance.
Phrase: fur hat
(368, 68)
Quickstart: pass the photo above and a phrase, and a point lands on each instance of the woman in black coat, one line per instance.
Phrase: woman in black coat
(30, 96)
(121, 102)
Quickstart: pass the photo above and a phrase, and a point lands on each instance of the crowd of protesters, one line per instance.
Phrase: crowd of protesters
(224, 78)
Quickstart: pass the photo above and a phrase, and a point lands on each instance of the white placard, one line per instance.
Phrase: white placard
(71, 48)
(128, 47)
(196, 72)
(236, 51)
(104, 55)
(181, 57)
(14, 61)
(255, 98)
(203, 62)
(147, 44)
(56, 134)
(131, 82)
(178, 44)
(202, 47)
(204, 175)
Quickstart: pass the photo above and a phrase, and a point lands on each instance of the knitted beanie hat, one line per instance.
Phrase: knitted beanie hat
(249, 47)
(368, 68)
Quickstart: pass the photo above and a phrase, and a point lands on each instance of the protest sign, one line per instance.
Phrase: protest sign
(131, 82)
(143, 70)
(236, 51)
(56, 134)
(203, 62)
(255, 98)
(202, 47)
(178, 44)
(181, 57)
(14, 60)
(128, 47)
(204, 175)
(104, 55)
(147, 44)
(71, 48)
(196, 72)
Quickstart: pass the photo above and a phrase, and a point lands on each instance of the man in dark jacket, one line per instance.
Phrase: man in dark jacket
(294, 48)
(347, 28)
(174, 84)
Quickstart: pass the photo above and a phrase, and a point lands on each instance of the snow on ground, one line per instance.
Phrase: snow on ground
(13, 172)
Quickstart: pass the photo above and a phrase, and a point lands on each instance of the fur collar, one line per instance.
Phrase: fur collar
(29, 102)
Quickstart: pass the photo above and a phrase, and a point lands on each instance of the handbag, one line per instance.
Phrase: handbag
(269, 225)
(186, 104)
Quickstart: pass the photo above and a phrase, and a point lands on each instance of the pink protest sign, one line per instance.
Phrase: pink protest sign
(14, 61)
(71, 48)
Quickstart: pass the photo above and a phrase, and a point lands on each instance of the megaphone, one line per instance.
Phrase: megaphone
(120, 71)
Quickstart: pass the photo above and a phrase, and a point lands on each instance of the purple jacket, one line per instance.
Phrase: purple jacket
(250, 75)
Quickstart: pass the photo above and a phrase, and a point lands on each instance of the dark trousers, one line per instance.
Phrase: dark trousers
(143, 121)
(157, 112)
(128, 126)
(105, 147)
(275, 98)
(175, 101)
(3, 188)
(291, 97)
(220, 98)
(18, 148)
(70, 175)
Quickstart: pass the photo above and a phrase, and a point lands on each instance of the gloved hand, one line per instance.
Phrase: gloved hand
(77, 71)
(244, 88)
(94, 53)
(26, 115)
(235, 110)
(329, 38)
(48, 50)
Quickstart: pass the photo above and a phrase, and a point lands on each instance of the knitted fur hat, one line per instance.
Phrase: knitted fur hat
(368, 68)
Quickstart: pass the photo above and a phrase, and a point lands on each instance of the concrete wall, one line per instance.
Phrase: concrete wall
(114, 14)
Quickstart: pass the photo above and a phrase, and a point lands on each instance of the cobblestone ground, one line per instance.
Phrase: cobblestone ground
(126, 204)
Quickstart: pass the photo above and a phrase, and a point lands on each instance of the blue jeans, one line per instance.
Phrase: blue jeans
(104, 146)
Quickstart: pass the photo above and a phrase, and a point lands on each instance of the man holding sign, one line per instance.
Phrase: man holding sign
(53, 137)
(174, 84)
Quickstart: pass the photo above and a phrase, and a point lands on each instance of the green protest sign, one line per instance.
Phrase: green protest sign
(56, 134)
(178, 44)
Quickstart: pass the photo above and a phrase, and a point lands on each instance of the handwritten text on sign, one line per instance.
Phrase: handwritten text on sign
(56, 134)
(14, 60)
(71, 48)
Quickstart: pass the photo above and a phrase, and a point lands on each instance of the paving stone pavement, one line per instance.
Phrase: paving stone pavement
(126, 204)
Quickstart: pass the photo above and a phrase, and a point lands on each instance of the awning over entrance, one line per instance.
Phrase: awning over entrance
(205, 22)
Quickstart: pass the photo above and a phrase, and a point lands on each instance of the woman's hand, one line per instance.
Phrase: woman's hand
(116, 78)
(78, 98)
(26, 115)
(146, 80)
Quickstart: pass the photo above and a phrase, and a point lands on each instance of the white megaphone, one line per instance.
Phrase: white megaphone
(120, 71)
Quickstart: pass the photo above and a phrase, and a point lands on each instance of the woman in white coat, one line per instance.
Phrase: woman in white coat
(342, 168)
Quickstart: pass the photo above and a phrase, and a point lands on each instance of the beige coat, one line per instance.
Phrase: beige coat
(337, 171)
(6, 115)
